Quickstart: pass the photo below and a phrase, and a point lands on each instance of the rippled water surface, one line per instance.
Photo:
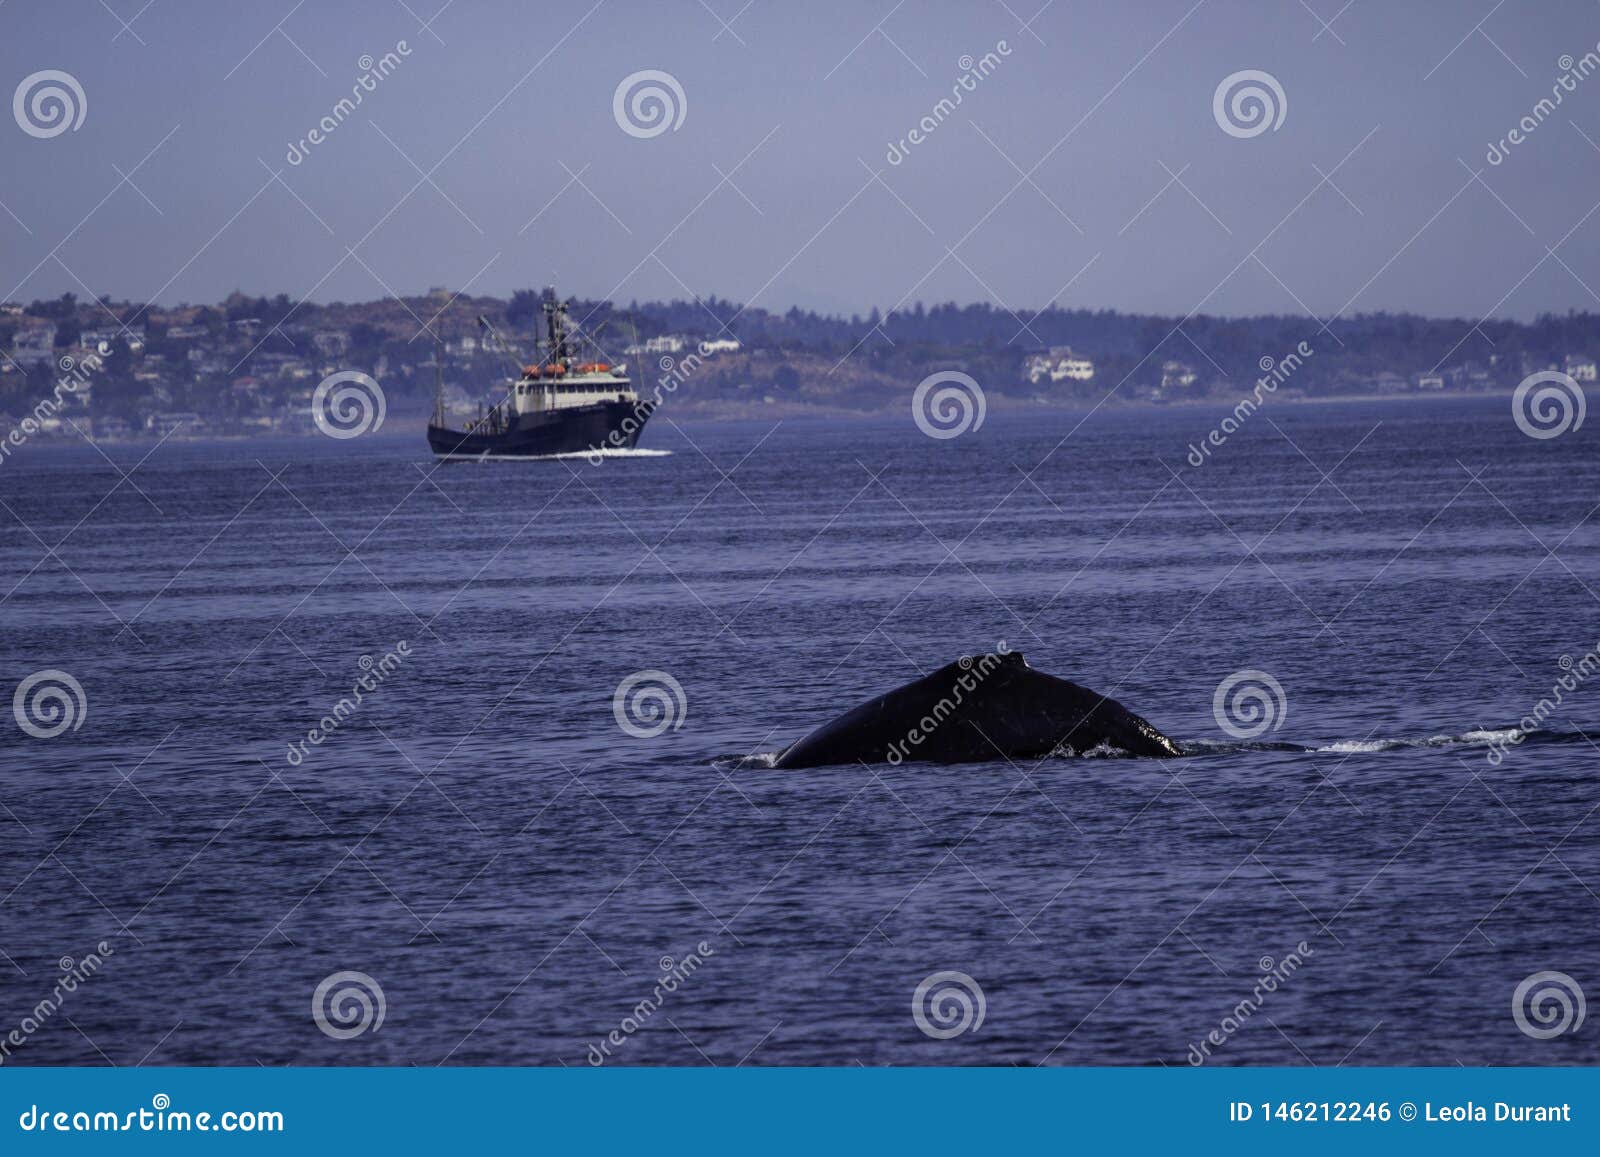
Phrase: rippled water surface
(512, 869)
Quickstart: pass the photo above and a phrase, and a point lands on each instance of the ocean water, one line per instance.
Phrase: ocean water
(517, 875)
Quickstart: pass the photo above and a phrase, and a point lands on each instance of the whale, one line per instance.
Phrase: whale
(978, 709)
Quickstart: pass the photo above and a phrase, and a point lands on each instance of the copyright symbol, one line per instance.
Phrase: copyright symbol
(1408, 1111)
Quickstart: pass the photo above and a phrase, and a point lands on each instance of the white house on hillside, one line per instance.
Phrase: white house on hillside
(1177, 375)
(1060, 364)
(34, 346)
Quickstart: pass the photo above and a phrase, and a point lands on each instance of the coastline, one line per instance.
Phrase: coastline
(406, 426)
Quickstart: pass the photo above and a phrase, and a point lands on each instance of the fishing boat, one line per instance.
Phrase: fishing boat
(571, 402)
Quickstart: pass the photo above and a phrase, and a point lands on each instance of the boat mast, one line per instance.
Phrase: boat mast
(438, 385)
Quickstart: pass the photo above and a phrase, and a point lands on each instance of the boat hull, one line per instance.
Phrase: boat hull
(571, 430)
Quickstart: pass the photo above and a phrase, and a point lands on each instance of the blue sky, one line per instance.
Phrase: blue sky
(1086, 169)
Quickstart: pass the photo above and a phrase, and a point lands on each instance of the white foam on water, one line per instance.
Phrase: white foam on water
(1481, 737)
(1354, 746)
(1104, 749)
(1503, 735)
(607, 453)
(758, 761)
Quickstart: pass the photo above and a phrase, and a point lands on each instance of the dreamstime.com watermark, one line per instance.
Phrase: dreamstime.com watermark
(1249, 102)
(649, 102)
(947, 404)
(647, 703)
(1572, 71)
(348, 404)
(1548, 404)
(374, 673)
(674, 973)
(972, 71)
(1273, 375)
(1249, 703)
(76, 375)
(372, 71)
(1547, 1004)
(347, 1004)
(48, 702)
(947, 1004)
(160, 1117)
(674, 373)
(973, 672)
(1576, 673)
(1274, 974)
(48, 103)
(73, 974)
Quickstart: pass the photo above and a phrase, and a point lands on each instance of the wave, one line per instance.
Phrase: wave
(1101, 750)
(756, 761)
(1498, 737)
(1483, 737)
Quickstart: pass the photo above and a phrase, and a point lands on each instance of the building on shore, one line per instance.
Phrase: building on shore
(1059, 364)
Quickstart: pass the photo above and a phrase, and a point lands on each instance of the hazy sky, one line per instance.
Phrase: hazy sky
(1088, 167)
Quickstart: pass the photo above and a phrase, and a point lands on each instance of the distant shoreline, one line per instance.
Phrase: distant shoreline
(999, 404)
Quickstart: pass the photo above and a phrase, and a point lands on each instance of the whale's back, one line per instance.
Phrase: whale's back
(982, 708)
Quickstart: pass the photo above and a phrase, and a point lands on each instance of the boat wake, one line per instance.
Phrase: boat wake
(609, 452)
